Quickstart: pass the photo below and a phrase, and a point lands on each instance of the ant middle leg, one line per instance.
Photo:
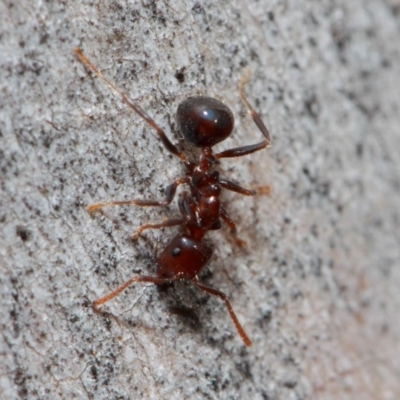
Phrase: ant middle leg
(169, 192)
(223, 297)
(260, 190)
(263, 190)
(236, 188)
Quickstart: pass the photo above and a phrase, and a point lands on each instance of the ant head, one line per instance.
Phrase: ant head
(204, 121)
(183, 258)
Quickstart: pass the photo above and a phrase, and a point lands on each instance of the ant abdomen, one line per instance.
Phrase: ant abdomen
(183, 258)
(204, 121)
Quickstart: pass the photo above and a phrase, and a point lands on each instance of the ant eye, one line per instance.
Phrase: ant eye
(176, 252)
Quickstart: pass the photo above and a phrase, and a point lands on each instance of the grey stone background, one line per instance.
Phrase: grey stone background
(317, 287)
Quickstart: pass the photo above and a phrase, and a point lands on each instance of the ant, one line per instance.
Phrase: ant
(203, 122)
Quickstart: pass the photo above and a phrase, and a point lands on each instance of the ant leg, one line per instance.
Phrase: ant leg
(227, 219)
(135, 107)
(140, 278)
(244, 150)
(263, 190)
(165, 224)
(260, 190)
(187, 207)
(223, 297)
(236, 188)
(170, 193)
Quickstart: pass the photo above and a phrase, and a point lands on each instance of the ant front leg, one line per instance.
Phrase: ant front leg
(140, 278)
(165, 224)
(170, 193)
(262, 190)
(232, 227)
(223, 297)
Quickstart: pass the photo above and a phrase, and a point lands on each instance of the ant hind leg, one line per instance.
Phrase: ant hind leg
(244, 150)
(136, 108)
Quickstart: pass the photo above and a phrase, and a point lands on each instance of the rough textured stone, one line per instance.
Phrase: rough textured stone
(317, 288)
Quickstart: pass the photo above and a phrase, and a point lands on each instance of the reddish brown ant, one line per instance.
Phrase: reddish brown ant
(203, 122)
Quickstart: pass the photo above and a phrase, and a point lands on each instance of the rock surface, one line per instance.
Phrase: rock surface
(317, 287)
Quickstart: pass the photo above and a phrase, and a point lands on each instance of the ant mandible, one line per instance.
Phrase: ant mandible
(203, 122)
